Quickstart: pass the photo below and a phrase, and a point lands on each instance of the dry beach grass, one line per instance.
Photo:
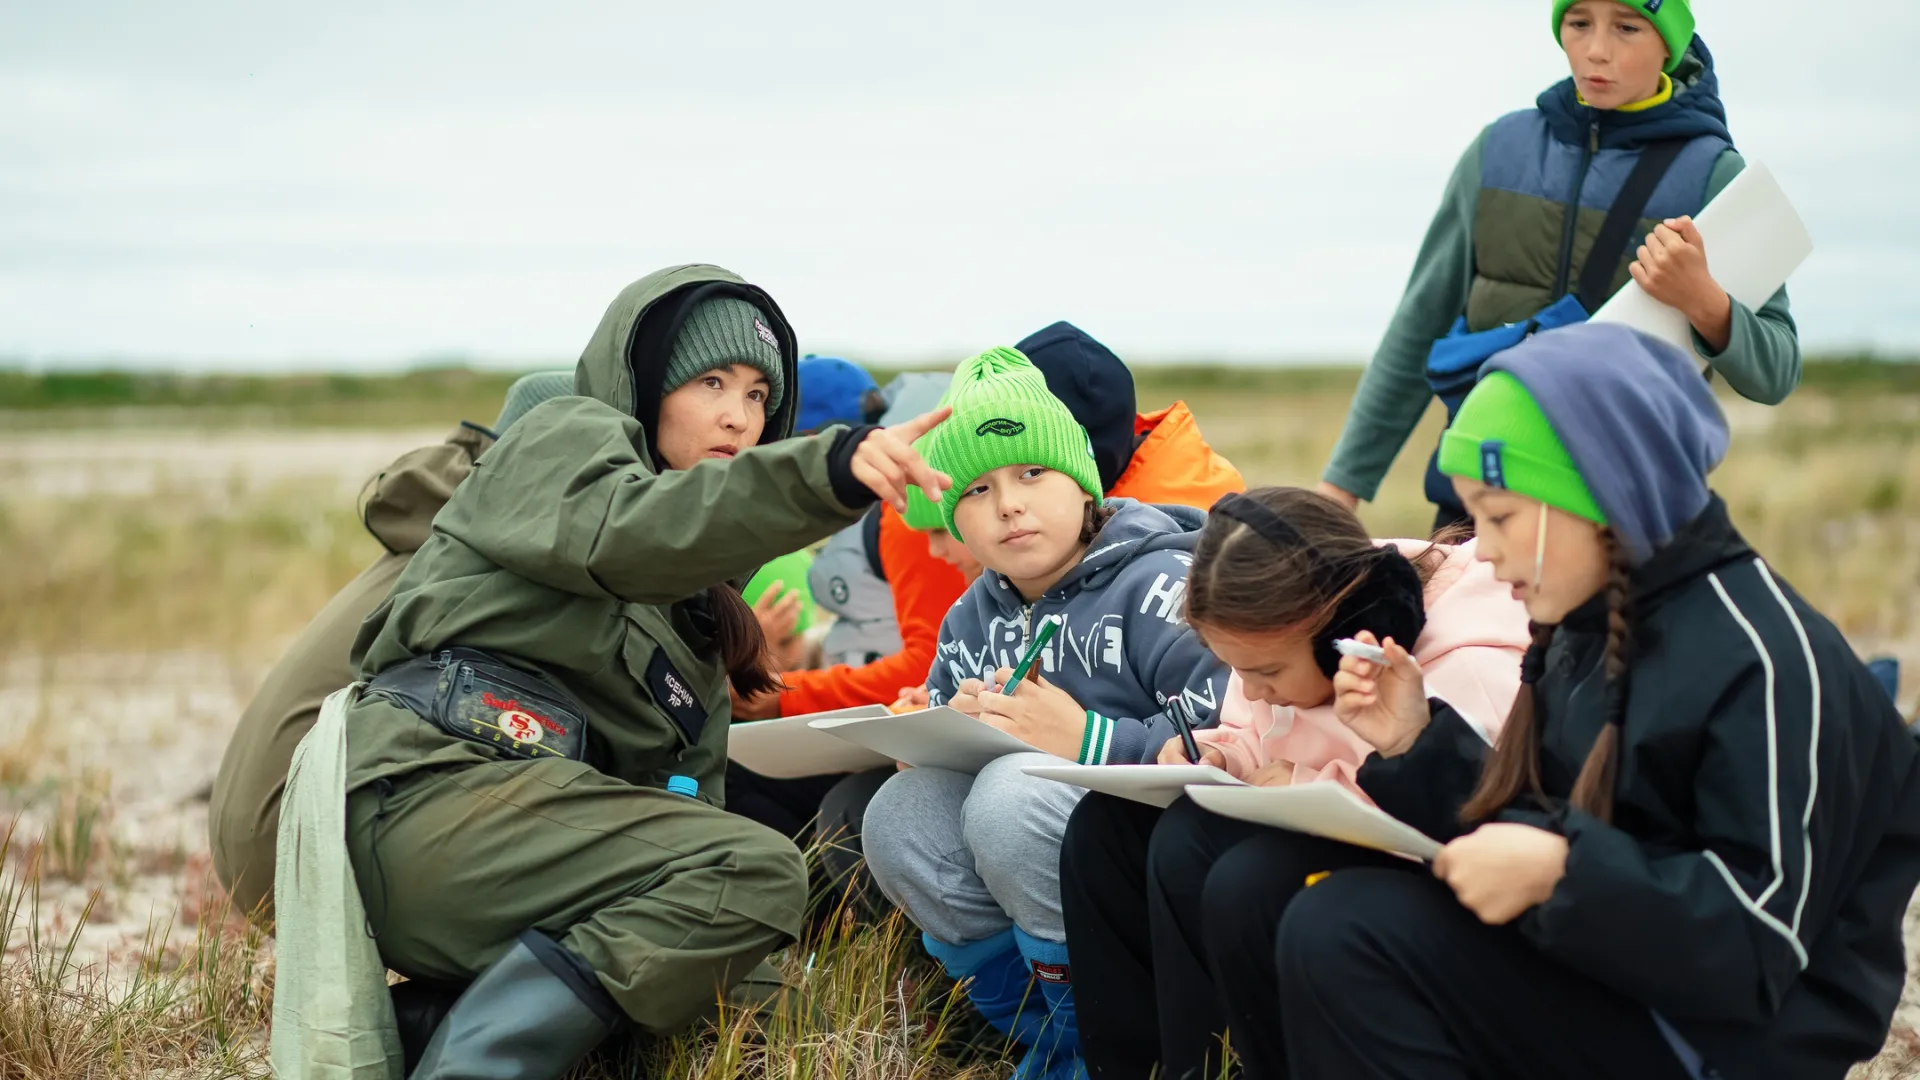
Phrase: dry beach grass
(156, 554)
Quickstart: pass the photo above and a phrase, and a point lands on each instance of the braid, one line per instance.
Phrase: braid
(1514, 765)
(1593, 790)
(1619, 592)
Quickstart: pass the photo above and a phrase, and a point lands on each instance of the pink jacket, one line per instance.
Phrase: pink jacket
(1470, 651)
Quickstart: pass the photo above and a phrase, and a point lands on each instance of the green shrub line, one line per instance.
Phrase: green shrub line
(441, 390)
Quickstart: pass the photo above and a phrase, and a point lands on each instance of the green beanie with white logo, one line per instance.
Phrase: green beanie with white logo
(720, 333)
(1500, 437)
(1673, 19)
(1003, 414)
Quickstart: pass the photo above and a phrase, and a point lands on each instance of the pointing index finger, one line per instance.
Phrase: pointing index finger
(920, 425)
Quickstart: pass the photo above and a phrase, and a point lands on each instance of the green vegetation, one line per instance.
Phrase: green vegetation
(444, 395)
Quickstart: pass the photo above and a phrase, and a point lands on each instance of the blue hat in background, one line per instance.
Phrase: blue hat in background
(834, 391)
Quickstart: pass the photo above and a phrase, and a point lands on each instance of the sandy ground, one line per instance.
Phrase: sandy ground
(146, 731)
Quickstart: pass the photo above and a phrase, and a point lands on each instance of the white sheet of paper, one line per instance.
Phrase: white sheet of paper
(791, 747)
(1755, 241)
(1322, 808)
(940, 738)
(1155, 785)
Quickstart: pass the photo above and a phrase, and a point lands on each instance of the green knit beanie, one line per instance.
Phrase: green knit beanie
(923, 514)
(1003, 415)
(1502, 439)
(1672, 18)
(791, 572)
(722, 332)
(530, 390)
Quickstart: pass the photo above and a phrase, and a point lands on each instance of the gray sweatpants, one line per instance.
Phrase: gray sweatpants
(968, 856)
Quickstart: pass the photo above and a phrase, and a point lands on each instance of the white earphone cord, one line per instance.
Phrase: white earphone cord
(1540, 549)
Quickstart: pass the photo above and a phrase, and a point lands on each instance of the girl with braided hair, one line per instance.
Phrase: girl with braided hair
(1279, 575)
(1689, 851)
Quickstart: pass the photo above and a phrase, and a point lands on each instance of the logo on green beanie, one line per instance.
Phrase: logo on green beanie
(1000, 425)
(760, 329)
(1493, 469)
(1653, 6)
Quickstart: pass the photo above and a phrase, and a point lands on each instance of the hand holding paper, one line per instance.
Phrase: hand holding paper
(1499, 871)
(1757, 240)
(1672, 267)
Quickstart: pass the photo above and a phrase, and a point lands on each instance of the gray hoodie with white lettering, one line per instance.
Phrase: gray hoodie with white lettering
(1123, 651)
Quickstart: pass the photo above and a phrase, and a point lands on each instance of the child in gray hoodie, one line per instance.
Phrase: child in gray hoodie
(974, 860)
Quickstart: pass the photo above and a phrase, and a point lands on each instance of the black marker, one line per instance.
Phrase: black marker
(1179, 714)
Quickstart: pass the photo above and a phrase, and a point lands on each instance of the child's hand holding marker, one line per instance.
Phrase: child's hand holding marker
(1032, 709)
(1174, 752)
(966, 696)
(1380, 693)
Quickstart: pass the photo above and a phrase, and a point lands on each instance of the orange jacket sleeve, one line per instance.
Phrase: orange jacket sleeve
(923, 589)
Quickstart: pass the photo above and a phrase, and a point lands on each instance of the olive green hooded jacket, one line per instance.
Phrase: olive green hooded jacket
(570, 551)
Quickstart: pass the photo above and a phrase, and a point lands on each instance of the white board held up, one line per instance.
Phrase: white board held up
(1755, 240)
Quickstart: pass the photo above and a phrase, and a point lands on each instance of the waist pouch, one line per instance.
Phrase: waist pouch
(1455, 362)
(470, 695)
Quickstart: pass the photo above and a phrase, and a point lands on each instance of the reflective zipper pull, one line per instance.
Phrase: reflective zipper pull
(1593, 138)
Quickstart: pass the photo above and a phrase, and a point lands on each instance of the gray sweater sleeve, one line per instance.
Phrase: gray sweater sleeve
(1172, 667)
(1393, 392)
(1762, 358)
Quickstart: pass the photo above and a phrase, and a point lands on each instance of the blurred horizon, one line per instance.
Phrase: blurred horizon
(219, 186)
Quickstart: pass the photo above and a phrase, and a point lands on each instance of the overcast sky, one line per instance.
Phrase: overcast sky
(247, 184)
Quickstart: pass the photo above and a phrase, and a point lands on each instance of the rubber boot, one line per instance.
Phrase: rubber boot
(532, 1015)
(419, 1006)
(998, 983)
(1056, 1049)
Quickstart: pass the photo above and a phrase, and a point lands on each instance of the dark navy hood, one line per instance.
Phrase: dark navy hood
(1096, 387)
(1694, 110)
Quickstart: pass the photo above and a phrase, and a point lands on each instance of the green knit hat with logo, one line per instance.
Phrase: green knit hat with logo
(791, 572)
(1003, 414)
(1672, 18)
(719, 333)
(1502, 439)
(923, 514)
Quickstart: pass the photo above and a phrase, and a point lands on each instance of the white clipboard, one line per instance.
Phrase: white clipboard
(1155, 785)
(1755, 240)
(1322, 808)
(791, 747)
(937, 738)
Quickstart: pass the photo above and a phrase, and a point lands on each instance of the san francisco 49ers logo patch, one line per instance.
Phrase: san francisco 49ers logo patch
(520, 723)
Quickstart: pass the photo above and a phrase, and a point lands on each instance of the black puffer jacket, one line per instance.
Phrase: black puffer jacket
(1766, 832)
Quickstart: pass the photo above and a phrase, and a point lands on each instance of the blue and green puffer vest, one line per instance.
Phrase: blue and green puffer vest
(1528, 249)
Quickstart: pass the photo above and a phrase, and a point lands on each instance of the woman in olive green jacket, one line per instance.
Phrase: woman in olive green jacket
(536, 765)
